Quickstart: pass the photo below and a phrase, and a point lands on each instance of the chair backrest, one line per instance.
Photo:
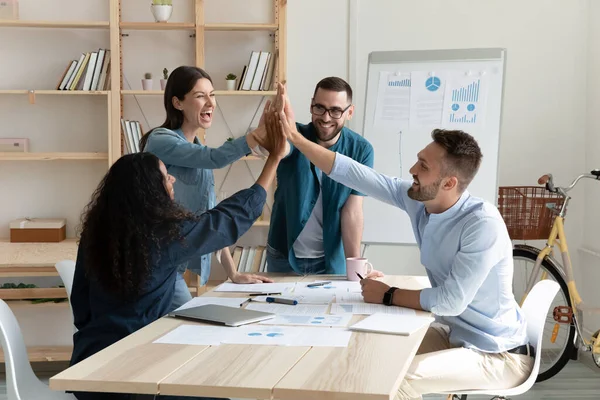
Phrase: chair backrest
(18, 369)
(536, 306)
(66, 270)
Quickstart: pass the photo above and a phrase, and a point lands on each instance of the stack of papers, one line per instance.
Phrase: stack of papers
(404, 325)
(368, 309)
(339, 321)
(284, 309)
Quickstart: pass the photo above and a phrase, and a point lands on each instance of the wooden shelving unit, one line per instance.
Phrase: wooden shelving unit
(241, 27)
(46, 354)
(57, 92)
(55, 24)
(158, 26)
(52, 156)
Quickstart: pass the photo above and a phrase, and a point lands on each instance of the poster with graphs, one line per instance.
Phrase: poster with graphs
(393, 101)
(427, 99)
(465, 100)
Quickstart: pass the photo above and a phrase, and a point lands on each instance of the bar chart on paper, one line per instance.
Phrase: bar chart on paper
(464, 101)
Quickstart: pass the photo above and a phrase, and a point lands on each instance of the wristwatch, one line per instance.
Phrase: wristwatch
(389, 296)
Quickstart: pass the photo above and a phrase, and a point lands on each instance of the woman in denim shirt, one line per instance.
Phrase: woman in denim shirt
(189, 103)
(133, 238)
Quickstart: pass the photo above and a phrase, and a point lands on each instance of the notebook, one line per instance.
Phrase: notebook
(404, 325)
(222, 315)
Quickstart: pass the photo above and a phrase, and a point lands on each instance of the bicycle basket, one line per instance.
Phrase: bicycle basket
(528, 211)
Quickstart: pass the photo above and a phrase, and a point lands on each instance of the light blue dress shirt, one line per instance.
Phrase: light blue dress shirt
(467, 254)
(191, 164)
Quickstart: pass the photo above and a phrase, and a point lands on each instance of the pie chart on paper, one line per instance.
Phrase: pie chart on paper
(433, 84)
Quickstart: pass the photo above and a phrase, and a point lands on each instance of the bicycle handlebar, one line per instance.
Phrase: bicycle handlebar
(543, 179)
(548, 181)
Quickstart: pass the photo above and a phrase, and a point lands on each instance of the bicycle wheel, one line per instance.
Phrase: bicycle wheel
(554, 355)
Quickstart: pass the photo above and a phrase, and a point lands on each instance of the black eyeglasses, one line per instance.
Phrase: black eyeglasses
(335, 113)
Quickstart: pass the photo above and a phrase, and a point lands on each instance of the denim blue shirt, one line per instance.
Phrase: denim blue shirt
(103, 318)
(191, 164)
(298, 190)
(467, 254)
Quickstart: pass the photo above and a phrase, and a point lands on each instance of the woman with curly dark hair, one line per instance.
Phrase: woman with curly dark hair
(134, 235)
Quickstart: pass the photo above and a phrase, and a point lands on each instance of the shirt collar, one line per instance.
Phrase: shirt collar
(180, 133)
(452, 211)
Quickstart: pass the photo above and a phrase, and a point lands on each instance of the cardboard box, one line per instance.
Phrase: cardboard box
(38, 230)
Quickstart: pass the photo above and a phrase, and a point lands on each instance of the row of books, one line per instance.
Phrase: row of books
(90, 72)
(250, 259)
(132, 133)
(259, 73)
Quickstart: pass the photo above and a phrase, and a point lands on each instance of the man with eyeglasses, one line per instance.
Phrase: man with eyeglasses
(317, 223)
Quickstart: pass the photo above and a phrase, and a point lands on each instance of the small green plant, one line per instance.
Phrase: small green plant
(230, 139)
(162, 2)
(147, 75)
(231, 77)
(165, 73)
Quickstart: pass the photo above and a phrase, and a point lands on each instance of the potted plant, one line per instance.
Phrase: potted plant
(163, 82)
(162, 9)
(230, 80)
(147, 81)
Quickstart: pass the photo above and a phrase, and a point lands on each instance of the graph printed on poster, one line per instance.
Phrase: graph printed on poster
(427, 99)
(465, 100)
(393, 101)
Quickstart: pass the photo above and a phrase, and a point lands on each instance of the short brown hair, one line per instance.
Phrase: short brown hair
(463, 155)
(334, 84)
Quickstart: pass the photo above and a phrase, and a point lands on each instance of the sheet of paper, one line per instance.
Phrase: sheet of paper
(465, 100)
(350, 298)
(335, 286)
(197, 335)
(427, 99)
(389, 323)
(318, 337)
(368, 309)
(340, 320)
(423, 280)
(284, 309)
(256, 287)
(392, 110)
(266, 335)
(308, 297)
(222, 301)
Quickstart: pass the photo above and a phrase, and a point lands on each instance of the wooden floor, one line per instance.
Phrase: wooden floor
(577, 381)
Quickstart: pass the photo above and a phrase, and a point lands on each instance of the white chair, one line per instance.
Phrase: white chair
(535, 308)
(66, 270)
(21, 382)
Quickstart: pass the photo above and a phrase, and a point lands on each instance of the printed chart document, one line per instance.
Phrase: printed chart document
(284, 309)
(427, 99)
(340, 320)
(349, 298)
(333, 287)
(392, 110)
(222, 301)
(404, 325)
(256, 287)
(465, 100)
(368, 309)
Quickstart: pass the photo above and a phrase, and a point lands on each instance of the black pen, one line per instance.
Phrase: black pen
(361, 278)
(318, 284)
(245, 302)
(264, 294)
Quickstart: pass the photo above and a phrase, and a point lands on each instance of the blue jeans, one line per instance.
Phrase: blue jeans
(277, 262)
(182, 293)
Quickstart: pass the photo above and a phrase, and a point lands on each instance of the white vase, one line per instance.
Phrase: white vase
(147, 84)
(161, 13)
(230, 84)
(163, 84)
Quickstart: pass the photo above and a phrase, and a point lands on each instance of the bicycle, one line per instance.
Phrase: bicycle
(532, 212)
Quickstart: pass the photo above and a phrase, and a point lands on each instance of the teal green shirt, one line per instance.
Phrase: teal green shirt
(297, 192)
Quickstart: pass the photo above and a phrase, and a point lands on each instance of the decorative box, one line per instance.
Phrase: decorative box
(38, 230)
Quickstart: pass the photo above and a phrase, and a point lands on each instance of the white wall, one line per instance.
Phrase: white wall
(544, 102)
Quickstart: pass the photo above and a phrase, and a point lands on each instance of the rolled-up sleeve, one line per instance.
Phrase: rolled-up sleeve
(482, 247)
(172, 150)
(366, 180)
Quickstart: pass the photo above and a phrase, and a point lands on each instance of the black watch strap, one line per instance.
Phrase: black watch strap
(388, 297)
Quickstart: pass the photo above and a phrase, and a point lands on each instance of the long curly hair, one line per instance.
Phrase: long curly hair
(129, 218)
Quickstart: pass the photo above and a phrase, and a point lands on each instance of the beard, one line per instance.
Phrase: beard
(425, 193)
(323, 136)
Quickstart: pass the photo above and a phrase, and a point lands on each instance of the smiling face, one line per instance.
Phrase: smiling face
(168, 180)
(327, 127)
(198, 105)
(427, 173)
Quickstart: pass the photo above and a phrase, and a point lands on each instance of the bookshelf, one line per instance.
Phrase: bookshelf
(44, 254)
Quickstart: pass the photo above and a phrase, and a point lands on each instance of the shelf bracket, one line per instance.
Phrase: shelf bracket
(31, 96)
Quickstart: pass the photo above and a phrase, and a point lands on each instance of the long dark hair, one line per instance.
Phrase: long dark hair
(181, 81)
(128, 219)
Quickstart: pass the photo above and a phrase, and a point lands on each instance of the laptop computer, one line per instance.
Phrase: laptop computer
(222, 315)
